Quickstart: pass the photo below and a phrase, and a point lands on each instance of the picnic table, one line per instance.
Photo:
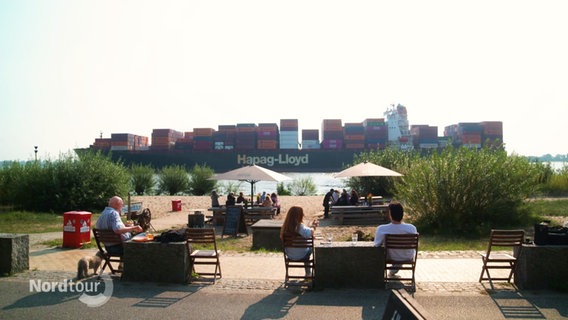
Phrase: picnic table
(360, 215)
(251, 214)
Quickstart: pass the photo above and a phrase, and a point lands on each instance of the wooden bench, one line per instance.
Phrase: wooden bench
(360, 215)
(251, 215)
(254, 214)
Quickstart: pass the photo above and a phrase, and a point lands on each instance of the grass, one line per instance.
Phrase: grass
(30, 222)
(557, 208)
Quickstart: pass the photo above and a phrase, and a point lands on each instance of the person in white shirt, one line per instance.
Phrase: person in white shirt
(396, 212)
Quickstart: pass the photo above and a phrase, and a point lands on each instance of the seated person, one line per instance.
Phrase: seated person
(275, 202)
(241, 198)
(110, 220)
(354, 199)
(230, 199)
(396, 212)
(293, 225)
(267, 202)
(343, 199)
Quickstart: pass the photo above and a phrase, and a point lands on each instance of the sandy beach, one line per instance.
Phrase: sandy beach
(164, 217)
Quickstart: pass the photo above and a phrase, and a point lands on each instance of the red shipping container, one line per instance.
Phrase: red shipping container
(76, 228)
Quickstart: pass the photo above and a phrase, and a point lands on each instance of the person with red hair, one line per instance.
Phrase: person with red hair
(294, 225)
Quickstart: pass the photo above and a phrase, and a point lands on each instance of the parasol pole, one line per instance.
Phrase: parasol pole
(252, 193)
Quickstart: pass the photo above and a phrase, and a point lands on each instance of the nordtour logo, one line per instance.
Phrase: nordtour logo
(93, 293)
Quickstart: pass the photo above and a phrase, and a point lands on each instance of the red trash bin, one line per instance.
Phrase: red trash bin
(176, 205)
(76, 228)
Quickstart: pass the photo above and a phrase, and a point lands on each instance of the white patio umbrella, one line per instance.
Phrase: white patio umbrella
(367, 169)
(251, 174)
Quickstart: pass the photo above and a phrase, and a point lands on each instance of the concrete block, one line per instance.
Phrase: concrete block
(14, 253)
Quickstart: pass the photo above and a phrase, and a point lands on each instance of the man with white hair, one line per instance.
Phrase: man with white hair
(110, 220)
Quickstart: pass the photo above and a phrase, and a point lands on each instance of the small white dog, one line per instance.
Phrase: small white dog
(88, 262)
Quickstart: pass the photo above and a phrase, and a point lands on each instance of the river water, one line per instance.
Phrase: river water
(323, 182)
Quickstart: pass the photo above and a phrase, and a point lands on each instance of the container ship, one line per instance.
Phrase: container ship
(283, 147)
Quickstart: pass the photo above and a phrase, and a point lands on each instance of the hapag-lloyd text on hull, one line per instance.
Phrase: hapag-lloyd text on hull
(280, 159)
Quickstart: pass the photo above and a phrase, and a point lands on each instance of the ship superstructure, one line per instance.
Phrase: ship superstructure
(398, 127)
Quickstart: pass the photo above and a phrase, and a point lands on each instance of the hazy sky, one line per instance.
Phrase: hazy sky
(70, 70)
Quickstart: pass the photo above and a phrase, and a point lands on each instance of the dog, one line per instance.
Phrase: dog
(88, 262)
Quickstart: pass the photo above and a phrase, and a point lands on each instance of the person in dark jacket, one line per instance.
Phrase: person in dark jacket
(327, 203)
(230, 199)
(343, 198)
(354, 199)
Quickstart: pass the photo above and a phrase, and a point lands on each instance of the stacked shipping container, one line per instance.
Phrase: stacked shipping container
(492, 133)
(246, 136)
(424, 136)
(185, 143)
(332, 132)
(203, 139)
(354, 136)
(165, 139)
(376, 133)
(128, 142)
(267, 136)
(225, 138)
(370, 134)
(289, 134)
(310, 139)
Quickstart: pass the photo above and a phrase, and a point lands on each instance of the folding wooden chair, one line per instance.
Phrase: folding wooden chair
(296, 241)
(203, 237)
(108, 236)
(500, 240)
(405, 245)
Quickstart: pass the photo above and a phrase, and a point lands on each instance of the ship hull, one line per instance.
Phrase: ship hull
(221, 161)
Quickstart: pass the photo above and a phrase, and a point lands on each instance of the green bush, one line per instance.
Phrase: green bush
(200, 182)
(173, 180)
(556, 184)
(302, 187)
(230, 186)
(282, 190)
(63, 185)
(142, 179)
(394, 159)
(464, 191)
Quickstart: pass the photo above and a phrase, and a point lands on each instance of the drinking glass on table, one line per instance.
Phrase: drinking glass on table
(354, 238)
(329, 239)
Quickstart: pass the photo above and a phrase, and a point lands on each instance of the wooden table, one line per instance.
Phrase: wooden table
(349, 265)
(360, 215)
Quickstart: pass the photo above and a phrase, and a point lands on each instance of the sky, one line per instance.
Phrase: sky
(71, 70)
